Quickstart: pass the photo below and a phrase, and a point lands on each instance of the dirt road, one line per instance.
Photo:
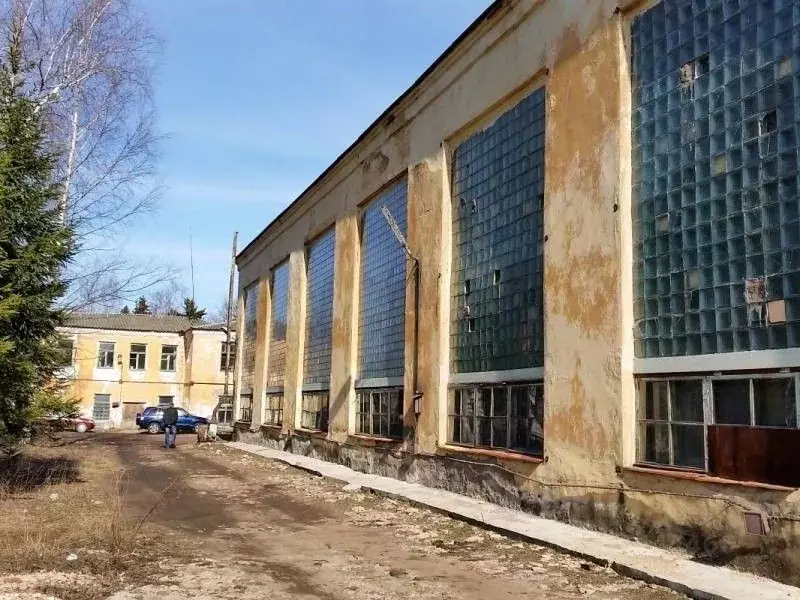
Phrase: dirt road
(216, 523)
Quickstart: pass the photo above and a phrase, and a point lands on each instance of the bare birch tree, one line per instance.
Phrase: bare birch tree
(88, 66)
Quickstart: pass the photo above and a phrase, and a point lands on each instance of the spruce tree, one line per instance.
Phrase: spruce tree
(34, 247)
(141, 307)
(192, 311)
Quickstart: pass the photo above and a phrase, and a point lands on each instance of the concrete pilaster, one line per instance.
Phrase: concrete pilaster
(429, 241)
(583, 265)
(262, 352)
(295, 339)
(344, 359)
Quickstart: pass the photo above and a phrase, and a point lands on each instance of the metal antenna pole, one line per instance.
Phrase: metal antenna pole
(229, 311)
(191, 259)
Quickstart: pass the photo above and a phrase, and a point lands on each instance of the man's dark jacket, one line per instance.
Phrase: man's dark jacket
(170, 416)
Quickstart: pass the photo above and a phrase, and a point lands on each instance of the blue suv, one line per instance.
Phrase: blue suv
(152, 419)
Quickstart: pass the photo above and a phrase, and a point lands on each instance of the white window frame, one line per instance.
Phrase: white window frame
(136, 355)
(708, 409)
(167, 355)
(102, 355)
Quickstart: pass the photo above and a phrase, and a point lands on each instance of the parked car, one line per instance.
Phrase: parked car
(77, 423)
(152, 419)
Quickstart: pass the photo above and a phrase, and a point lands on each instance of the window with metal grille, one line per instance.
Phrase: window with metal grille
(273, 409)
(168, 357)
(227, 359)
(383, 287)
(509, 417)
(720, 424)
(164, 401)
(319, 310)
(105, 355)
(137, 358)
(379, 412)
(314, 411)
(716, 211)
(249, 332)
(276, 369)
(101, 410)
(497, 317)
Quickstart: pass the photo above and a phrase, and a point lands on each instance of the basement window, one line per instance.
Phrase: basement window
(273, 409)
(314, 411)
(504, 417)
(246, 408)
(740, 427)
(379, 412)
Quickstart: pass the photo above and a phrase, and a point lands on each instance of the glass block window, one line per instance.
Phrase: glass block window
(101, 409)
(276, 368)
(314, 411)
(273, 409)
(716, 106)
(249, 338)
(498, 189)
(383, 290)
(507, 417)
(319, 310)
(379, 412)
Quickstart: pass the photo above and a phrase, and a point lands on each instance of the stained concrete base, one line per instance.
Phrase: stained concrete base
(633, 559)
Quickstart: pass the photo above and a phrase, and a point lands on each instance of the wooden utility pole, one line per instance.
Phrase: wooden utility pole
(228, 316)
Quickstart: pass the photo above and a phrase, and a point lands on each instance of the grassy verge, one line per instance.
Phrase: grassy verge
(63, 508)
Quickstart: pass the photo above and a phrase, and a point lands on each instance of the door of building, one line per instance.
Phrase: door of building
(129, 410)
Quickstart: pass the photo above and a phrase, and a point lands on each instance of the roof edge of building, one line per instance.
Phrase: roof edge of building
(487, 14)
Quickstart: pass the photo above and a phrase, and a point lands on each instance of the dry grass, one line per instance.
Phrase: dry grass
(52, 505)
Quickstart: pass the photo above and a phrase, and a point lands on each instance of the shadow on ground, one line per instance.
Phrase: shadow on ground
(25, 474)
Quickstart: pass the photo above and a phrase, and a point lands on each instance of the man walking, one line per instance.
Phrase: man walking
(170, 429)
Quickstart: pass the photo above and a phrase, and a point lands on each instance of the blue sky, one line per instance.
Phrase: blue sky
(257, 97)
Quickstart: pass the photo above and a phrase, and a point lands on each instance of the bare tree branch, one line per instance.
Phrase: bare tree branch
(87, 66)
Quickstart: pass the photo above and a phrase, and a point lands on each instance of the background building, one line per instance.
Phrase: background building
(119, 364)
(562, 271)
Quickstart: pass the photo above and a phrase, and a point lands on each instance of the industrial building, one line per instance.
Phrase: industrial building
(562, 272)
